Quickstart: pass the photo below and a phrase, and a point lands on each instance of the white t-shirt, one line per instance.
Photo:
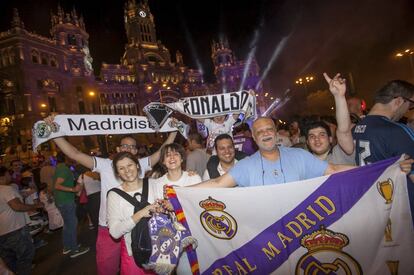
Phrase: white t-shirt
(92, 186)
(120, 213)
(220, 170)
(109, 181)
(215, 129)
(185, 180)
(10, 220)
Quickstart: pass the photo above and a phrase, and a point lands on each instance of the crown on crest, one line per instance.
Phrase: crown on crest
(324, 238)
(212, 204)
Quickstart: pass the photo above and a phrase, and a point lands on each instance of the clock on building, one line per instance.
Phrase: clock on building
(142, 13)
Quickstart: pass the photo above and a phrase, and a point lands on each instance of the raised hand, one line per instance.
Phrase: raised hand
(49, 119)
(406, 164)
(337, 84)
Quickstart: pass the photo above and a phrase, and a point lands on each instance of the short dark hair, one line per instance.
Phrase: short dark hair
(196, 137)
(393, 89)
(316, 124)
(173, 147)
(126, 136)
(242, 128)
(60, 157)
(123, 155)
(222, 136)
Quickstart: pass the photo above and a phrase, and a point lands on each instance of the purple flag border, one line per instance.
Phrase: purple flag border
(363, 178)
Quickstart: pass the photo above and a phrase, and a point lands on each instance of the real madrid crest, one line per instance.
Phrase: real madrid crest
(217, 222)
(43, 130)
(325, 255)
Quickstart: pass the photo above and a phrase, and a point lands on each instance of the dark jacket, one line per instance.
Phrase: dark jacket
(214, 161)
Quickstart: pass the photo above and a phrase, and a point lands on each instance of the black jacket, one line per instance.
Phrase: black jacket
(214, 161)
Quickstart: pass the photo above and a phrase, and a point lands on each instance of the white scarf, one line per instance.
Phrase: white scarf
(87, 125)
(200, 107)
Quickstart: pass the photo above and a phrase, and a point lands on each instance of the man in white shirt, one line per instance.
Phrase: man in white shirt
(16, 246)
(108, 250)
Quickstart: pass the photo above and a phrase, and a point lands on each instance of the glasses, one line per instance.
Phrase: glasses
(410, 101)
(411, 107)
(128, 146)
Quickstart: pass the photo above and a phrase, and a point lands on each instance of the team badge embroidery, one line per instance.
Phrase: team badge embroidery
(217, 222)
(44, 130)
(165, 240)
(325, 255)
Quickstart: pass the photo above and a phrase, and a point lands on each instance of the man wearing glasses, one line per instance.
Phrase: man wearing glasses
(108, 250)
(379, 136)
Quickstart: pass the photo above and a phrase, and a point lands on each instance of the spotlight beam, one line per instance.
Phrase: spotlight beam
(280, 46)
(190, 42)
(253, 47)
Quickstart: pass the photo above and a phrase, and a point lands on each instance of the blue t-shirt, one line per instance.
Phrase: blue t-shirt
(294, 164)
(378, 138)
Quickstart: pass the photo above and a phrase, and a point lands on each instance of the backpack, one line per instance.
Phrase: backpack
(140, 236)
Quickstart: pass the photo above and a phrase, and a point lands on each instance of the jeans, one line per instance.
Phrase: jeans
(70, 224)
(17, 251)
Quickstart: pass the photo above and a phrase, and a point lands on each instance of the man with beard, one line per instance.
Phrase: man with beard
(226, 157)
(273, 164)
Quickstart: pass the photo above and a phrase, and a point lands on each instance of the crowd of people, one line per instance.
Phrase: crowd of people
(262, 152)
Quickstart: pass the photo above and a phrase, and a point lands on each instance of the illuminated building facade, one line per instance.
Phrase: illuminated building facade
(39, 75)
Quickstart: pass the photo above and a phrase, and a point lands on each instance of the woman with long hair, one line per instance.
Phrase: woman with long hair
(172, 159)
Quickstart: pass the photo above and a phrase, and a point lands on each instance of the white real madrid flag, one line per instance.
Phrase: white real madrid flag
(355, 222)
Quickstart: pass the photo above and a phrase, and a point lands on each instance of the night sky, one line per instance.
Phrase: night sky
(352, 37)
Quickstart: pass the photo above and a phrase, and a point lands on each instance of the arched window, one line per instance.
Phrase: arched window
(53, 62)
(35, 56)
(72, 39)
(44, 59)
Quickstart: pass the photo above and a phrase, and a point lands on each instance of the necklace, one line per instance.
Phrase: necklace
(275, 172)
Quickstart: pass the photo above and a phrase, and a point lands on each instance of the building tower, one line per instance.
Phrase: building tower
(69, 32)
(139, 23)
(223, 61)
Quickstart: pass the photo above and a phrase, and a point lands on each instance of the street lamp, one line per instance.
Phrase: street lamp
(305, 80)
(409, 53)
(92, 96)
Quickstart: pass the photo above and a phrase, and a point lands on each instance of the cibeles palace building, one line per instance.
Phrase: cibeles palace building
(39, 75)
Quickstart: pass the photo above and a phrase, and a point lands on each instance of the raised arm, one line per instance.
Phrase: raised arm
(224, 181)
(337, 87)
(70, 151)
(154, 158)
